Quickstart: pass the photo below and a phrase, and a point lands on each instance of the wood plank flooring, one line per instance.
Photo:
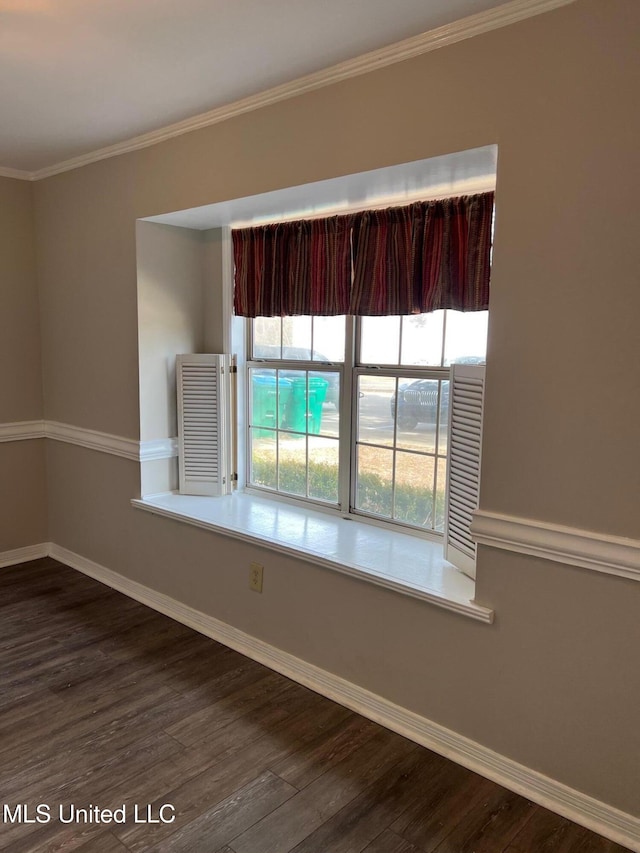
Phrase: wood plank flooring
(104, 703)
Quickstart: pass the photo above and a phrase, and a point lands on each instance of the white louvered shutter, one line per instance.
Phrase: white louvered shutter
(466, 394)
(203, 424)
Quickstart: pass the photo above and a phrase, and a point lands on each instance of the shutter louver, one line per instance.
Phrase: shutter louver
(203, 393)
(463, 470)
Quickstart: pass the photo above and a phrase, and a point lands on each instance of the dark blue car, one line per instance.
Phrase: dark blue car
(418, 403)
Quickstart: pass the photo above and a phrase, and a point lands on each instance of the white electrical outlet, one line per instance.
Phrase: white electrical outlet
(255, 577)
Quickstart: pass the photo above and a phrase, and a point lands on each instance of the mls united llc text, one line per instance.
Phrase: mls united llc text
(44, 813)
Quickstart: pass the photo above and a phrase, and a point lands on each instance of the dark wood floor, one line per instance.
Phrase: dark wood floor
(105, 703)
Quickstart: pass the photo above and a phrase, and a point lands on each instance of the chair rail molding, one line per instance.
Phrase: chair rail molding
(600, 552)
(22, 430)
(116, 445)
(158, 448)
(92, 439)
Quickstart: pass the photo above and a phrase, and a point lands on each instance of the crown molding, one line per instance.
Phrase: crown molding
(465, 28)
(611, 555)
(17, 174)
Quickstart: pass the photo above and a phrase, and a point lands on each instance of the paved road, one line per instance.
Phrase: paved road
(376, 425)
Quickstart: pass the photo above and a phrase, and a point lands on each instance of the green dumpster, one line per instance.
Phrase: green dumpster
(303, 410)
(317, 393)
(268, 392)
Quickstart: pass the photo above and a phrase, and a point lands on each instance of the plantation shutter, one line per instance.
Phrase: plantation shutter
(203, 424)
(463, 470)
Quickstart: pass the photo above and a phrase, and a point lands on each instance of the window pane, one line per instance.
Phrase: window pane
(374, 486)
(414, 489)
(292, 464)
(375, 409)
(380, 340)
(417, 408)
(328, 338)
(400, 429)
(289, 409)
(263, 458)
(330, 406)
(422, 339)
(264, 388)
(296, 337)
(323, 469)
(466, 337)
(294, 412)
(266, 337)
(305, 397)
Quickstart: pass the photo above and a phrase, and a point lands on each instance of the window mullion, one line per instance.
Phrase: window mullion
(277, 432)
(436, 465)
(306, 441)
(395, 449)
(346, 431)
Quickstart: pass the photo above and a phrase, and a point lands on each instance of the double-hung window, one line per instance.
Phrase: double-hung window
(296, 384)
(353, 326)
(352, 413)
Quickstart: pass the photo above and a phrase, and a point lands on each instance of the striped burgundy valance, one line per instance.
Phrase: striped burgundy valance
(402, 260)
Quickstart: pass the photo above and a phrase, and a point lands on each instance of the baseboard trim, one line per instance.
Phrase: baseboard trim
(611, 555)
(574, 805)
(24, 555)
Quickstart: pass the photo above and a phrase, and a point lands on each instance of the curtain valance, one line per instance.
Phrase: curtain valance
(402, 260)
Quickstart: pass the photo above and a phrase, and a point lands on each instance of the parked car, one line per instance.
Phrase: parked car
(418, 403)
(418, 400)
(272, 352)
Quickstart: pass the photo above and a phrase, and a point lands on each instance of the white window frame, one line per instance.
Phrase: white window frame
(349, 371)
(303, 365)
(397, 373)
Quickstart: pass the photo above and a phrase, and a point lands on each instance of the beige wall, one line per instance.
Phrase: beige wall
(23, 496)
(21, 376)
(170, 318)
(179, 274)
(553, 683)
(22, 470)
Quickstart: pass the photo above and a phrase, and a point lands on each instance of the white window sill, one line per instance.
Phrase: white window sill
(397, 561)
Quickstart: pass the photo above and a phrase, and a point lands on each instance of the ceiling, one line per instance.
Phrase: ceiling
(81, 75)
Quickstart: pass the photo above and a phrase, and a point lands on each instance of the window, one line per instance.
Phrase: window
(352, 413)
(358, 382)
